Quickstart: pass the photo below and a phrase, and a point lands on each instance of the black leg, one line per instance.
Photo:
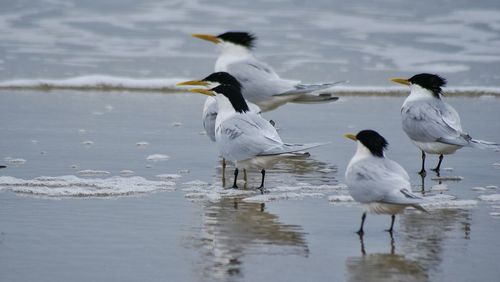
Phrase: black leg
(393, 217)
(263, 172)
(422, 171)
(360, 231)
(235, 178)
(439, 163)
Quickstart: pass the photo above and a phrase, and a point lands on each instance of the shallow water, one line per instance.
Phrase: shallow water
(182, 226)
(364, 42)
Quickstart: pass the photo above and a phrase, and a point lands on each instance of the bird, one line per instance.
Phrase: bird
(244, 137)
(432, 124)
(381, 185)
(261, 85)
(210, 107)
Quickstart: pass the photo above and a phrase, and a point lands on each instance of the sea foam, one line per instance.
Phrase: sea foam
(73, 186)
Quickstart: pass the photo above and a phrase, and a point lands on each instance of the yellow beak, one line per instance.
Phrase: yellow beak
(208, 37)
(351, 136)
(202, 91)
(401, 81)
(193, 82)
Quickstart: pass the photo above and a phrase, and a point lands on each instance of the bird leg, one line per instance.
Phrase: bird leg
(360, 231)
(263, 172)
(235, 178)
(393, 217)
(245, 175)
(439, 163)
(422, 171)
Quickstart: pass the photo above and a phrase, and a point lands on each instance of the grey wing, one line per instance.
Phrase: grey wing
(433, 122)
(260, 82)
(246, 136)
(375, 180)
(209, 116)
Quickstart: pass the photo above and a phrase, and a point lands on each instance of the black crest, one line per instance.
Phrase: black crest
(373, 141)
(432, 82)
(234, 96)
(223, 78)
(240, 38)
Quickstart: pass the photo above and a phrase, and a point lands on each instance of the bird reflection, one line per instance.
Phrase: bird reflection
(422, 241)
(425, 234)
(301, 169)
(388, 266)
(233, 229)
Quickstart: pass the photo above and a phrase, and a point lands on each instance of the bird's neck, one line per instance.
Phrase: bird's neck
(361, 153)
(230, 53)
(418, 93)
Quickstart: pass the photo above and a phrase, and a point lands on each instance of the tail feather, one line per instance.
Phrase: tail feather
(309, 88)
(420, 208)
(311, 99)
(481, 144)
(293, 148)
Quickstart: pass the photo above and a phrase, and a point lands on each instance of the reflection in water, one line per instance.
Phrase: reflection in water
(383, 266)
(287, 171)
(422, 239)
(234, 229)
(425, 234)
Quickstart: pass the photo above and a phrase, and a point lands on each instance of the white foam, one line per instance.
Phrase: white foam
(107, 82)
(90, 82)
(440, 187)
(447, 178)
(126, 172)
(495, 214)
(490, 198)
(478, 189)
(213, 193)
(168, 176)
(492, 187)
(91, 172)
(495, 207)
(157, 157)
(72, 186)
(88, 143)
(340, 198)
(176, 124)
(282, 196)
(14, 161)
(142, 144)
(450, 204)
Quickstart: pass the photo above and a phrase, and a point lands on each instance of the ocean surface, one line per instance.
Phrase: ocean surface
(110, 176)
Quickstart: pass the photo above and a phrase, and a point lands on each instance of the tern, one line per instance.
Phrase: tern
(244, 137)
(210, 108)
(381, 185)
(432, 124)
(260, 83)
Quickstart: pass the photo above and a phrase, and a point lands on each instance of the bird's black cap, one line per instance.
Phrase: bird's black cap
(234, 96)
(223, 78)
(375, 142)
(242, 38)
(432, 82)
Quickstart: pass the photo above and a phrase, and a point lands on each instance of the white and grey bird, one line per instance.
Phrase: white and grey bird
(244, 137)
(261, 85)
(432, 124)
(381, 185)
(210, 108)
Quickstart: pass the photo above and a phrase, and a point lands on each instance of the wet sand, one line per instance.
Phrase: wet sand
(192, 230)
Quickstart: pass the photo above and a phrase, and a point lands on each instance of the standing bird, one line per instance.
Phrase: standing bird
(244, 137)
(430, 123)
(380, 184)
(210, 108)
(260, 83)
